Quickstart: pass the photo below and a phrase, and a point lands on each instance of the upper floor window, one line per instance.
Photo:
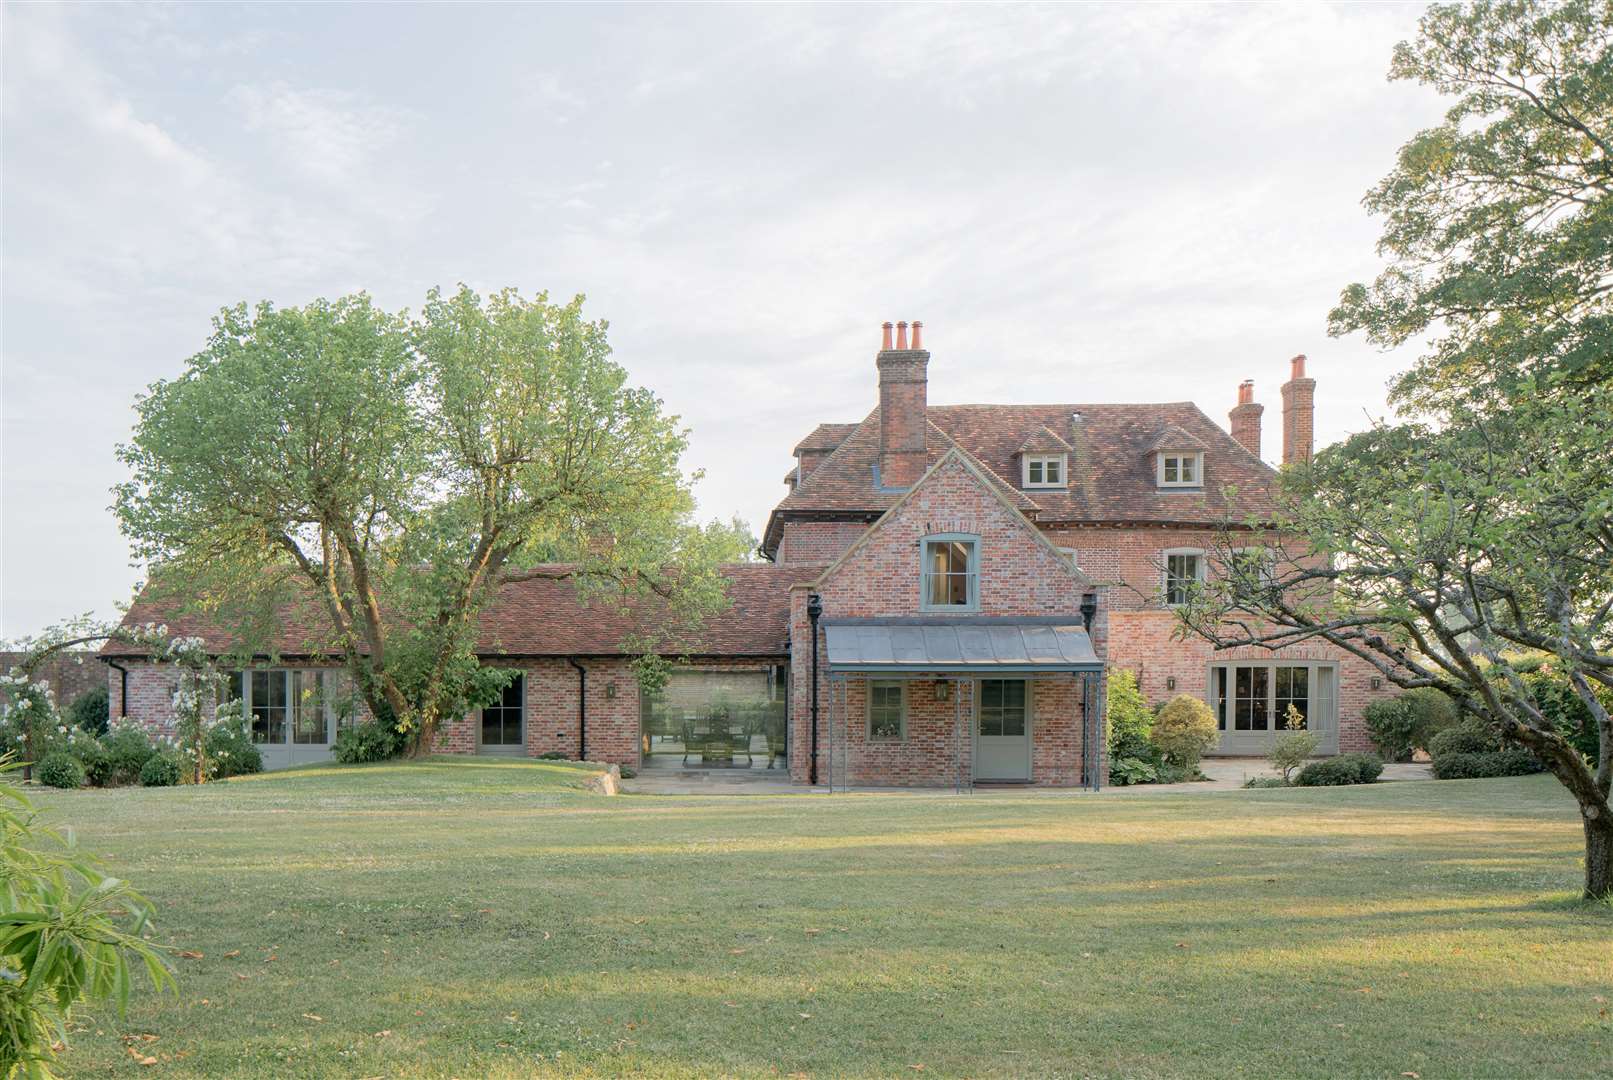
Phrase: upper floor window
(951, 573)
(1073, 555)
(1181, 469)
(1184, 569)
(1044, 470)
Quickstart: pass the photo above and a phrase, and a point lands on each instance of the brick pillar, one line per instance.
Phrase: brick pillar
(1245, 417)
(903, 408)
(1299, 414)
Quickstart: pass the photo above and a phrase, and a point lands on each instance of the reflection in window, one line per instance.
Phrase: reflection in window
(887, 711)
(1002, 707)
(949, 573)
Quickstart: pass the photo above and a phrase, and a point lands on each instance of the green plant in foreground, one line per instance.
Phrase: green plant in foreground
(1293, 747)
(1183, 731)
(61, 943)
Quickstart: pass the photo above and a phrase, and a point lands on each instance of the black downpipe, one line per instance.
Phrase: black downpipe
(582, 708)
(814, 610)
(123, 688)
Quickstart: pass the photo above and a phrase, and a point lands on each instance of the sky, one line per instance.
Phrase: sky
(1082, 204)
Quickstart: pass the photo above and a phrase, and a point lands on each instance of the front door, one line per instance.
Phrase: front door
(1003, 730)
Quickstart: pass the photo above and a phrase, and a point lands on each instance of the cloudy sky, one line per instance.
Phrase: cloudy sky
(1104, 203)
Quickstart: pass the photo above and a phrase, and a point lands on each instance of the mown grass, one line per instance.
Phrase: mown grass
(476, 918)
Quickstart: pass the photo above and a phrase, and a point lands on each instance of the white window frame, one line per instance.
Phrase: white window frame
(1268, 559)
(1073, 555)
(868, 711)
(1322, 702)
(972, 571)
(1195, 456)
(1060, 461)
(1165, 571)
(328, 687)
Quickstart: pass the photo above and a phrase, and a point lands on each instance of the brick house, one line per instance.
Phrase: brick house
(943, 589)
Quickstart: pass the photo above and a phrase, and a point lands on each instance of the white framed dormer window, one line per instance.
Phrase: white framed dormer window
(1184, 570)
(1181, 468)
(887, 711)
(950, 572)
(1044, 470)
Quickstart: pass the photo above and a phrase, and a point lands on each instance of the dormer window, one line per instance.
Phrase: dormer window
(1181, 468)
(1044, 470)
(950, 576)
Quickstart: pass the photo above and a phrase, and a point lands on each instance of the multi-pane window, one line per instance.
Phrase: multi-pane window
(305, 707)
(1044, 470)
(1256, 697)
(1002, 707)
(950, 573)
(501, 721)
(887, 711)
(269, 706)
(1181, 469)
(1183, 571)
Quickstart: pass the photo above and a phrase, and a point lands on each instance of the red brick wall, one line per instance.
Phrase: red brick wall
(817, 541)
(903, 416)
(1018, 575)
(70, 674)
(1299, 415)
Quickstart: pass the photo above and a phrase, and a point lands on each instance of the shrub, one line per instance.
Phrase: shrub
(373, 740)
(1127, 714)
(89, 711)
(1184, 729)
(61, 770)
(1293, 747)
(128, 748)
(1392, 724)
(1568, 715)
(1436, 710)
(554, 755)
(232, 752)
(1340, 770)
(1129, 770)
(161, 770)
(93, 756)
(1265, 782)
(1460, 765)
(1468, 737)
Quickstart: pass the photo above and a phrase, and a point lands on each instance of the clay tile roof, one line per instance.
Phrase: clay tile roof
(1174, 438)
(825, 437)
(1044, 440)
(1111, 479)
(540, 617)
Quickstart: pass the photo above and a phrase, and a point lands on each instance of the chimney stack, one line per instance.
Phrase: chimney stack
(1299, 413)
(1245, 417)
(903, 407)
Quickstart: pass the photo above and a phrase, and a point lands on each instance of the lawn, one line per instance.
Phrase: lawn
(479, 918)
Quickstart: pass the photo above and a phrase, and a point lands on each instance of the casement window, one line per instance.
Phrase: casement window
(1253, 564)
(1044, 470)
(502, 721)
(950, 576)
(1256, 697)
(887, 711)
(1181, 469)
(1184, 570)
(303, 707)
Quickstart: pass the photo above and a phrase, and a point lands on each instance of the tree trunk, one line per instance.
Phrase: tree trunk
(1598, 853)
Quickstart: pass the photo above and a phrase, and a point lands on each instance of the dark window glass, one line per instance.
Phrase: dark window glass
(1293, 688)
(1221, 698)
(269, 707)
(309, 724)
(1251, 698)
(1002, 707)
(1181, 575)
(885, 719)
(501, 723)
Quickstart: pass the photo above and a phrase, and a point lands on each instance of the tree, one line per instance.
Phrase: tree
(1439, 547)
(1126, 711)
(384, 477)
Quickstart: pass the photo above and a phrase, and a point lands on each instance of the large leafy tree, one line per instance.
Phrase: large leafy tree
(376, 479)
(1480, 526)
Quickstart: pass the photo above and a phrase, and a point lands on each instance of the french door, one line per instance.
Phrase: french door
(1252, 701)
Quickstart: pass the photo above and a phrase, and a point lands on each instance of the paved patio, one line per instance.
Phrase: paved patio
(1225, 774)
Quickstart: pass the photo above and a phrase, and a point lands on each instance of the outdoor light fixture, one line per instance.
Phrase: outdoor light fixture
(1377, 683)
(1170, 682)
(610, 690)
(1089, 608)
(943, 690)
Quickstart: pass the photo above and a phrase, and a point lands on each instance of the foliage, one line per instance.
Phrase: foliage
(1469, 737)
(1435, 710)
(1266, 782)
(1394, 725)
(1460, 765)
(68, 935)
(384, 478)
(164, 768)
(1183, 731)
(1476, 528)
(1126, 711)
(1564, 709)
(1130, 770)
(1293, 747)
(1343, 769)
(232, 751)
(372, 740)
(60, 769)
(128, 748)
(90, 711)
(93, 757)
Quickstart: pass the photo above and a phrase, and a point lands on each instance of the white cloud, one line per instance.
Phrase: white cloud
(329, 136)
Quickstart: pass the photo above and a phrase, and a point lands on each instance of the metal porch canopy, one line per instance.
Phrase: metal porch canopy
(978, 647)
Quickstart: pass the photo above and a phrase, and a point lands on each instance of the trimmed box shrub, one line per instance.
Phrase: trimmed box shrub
(1468, 737)
(128, 748)
(1341, 770)
(61, 770)
(1183, 731)
(1393, 724)
(1478, 766)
